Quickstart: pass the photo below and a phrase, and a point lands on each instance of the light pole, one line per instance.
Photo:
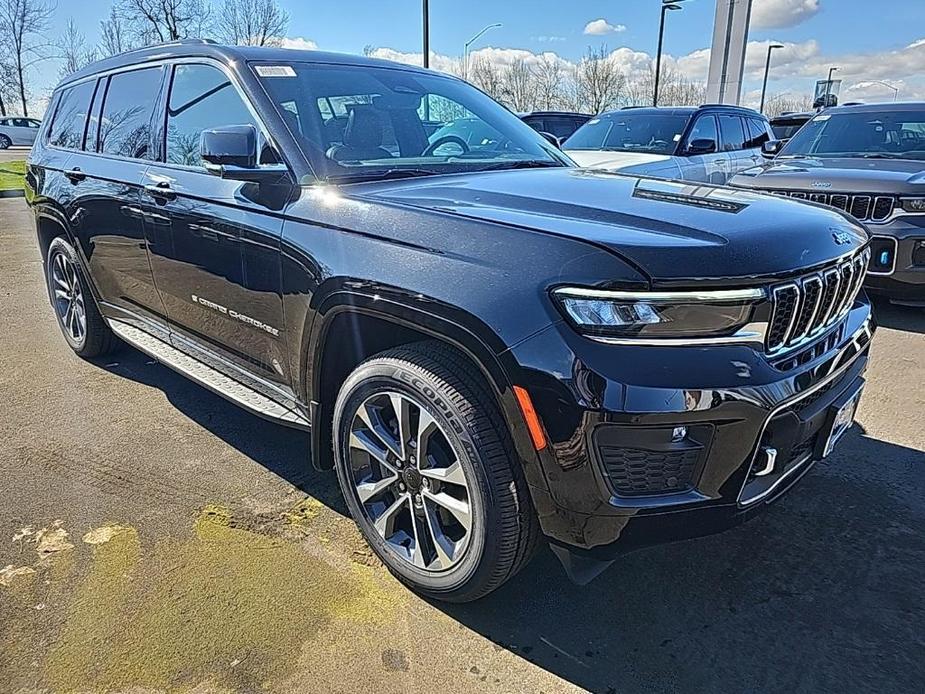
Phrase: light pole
(469, 43)
(828, 87)
(426, 14)
(888, 86)
(666, 6)
(767, 68)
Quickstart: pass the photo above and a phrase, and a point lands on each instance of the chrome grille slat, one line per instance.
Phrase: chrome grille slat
(807, 306)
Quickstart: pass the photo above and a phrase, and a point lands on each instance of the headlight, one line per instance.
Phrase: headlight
(913, 204)
(658, 315)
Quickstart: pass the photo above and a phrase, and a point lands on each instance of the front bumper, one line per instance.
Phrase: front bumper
(897, 267)
(612, 485)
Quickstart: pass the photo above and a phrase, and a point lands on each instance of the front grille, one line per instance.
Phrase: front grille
(635, 471)
(866, 208)
(806, 306)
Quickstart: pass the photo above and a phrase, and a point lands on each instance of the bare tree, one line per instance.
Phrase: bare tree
(114, 35)
(251, 23)
(22, 27)
(159, 21)
(74, 51)
(519, 85)
(7, 81)
(599, 81)
(550, 77)
(788, 102)
(487, 77)
(674, 89)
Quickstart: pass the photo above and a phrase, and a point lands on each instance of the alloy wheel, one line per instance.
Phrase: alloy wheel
(409, 481)
(68, 297)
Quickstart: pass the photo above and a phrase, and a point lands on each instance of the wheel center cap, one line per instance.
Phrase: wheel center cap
(412, 479)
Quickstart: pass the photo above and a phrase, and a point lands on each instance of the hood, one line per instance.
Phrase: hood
(837, 175)
(670, 230)
(613, 161)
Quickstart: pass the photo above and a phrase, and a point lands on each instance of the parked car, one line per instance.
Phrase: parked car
(869, 161)
(786, 125)
(709, 143)
(492, 348)
(559, 124)
(15, 131)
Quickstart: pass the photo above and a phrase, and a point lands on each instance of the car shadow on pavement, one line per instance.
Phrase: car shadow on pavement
(820, 593)
(907, 318)
(282, 450)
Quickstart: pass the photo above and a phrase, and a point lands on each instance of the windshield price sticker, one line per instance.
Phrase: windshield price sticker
(274, 71)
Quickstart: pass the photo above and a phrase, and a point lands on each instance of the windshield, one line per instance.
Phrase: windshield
(357, 122)
(629, 132)
(875, 134)
(785, 129)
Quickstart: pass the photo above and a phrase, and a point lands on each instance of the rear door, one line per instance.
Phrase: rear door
(219, 273)
(758, 131)
(732, 136)
(109, 154)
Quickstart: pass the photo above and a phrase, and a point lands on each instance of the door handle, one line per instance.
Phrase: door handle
(75, 175)
(161, 191)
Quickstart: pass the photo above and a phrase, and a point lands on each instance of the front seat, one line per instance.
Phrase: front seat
(362, 137)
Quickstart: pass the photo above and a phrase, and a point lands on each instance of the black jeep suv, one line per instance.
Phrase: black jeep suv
(489, 345)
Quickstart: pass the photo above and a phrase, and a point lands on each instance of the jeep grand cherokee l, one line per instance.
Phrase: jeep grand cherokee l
(867, 160)
(490, 346)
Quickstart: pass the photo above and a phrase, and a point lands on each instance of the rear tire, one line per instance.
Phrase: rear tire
(78, 317)
(5, 142)
(471, 526)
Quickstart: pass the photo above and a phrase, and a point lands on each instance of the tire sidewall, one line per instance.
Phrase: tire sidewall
(58, 247)
(5, 142)
(388, 374)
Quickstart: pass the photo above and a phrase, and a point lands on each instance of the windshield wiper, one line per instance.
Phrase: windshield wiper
(381, 175)
(524, 164)
(880, 155)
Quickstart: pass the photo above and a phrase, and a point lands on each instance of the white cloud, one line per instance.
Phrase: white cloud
(917, 44)
(601, 27)
(548, 39)
(299, 43)
(775, 14)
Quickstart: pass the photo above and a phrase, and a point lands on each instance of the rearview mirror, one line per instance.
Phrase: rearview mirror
(552, 139)
(231, 152)
(771, 148)
(701, 146)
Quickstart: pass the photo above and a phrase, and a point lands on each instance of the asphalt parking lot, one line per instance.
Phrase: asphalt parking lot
(158, 538)
(14, 153)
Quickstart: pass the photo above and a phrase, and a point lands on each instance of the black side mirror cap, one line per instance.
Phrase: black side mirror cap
(231, 152)
(701, 146)
(771, 148)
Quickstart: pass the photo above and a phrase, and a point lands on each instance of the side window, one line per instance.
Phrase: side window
(733, 135)
(67, 126)
(125, 126)
(704, 129)
(757, 133)
(201, 97)
(34, 123)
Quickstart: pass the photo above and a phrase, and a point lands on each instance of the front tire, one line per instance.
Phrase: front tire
(78, 317)
(428, 470)
(5, 142)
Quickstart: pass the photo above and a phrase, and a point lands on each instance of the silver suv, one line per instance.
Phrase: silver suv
(706, 143)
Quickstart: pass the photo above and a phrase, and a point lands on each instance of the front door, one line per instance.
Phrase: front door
(711, 167)
(219, 275)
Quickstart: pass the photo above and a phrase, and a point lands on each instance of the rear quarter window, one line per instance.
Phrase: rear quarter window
(67, 126)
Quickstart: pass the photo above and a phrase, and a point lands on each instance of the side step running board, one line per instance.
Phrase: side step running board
(207, 377)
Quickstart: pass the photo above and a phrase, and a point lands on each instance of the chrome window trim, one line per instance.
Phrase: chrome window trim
(895, 253)
(704, 296)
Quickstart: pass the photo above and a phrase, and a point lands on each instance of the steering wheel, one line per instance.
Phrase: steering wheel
(445, 140)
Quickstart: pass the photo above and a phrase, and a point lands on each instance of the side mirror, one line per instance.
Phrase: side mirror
(771, 148)
(231, 152)
(701, 146)
(552, 139)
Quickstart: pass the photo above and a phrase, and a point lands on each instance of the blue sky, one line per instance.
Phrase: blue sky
(871, 45)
